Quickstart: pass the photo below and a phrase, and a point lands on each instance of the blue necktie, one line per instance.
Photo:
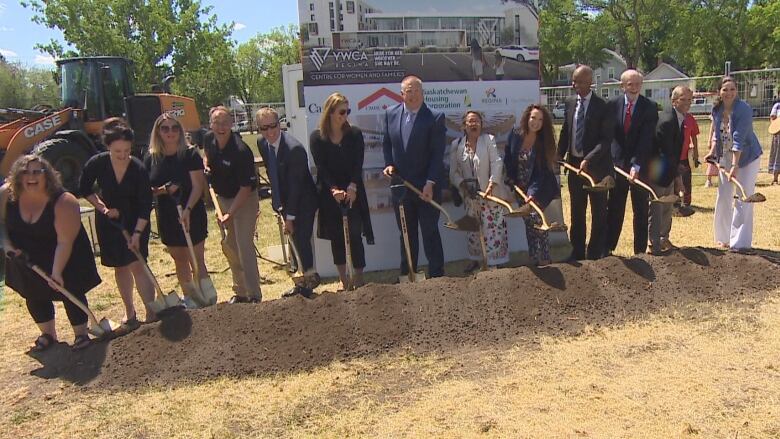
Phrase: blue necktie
(579, 133)
(273, 175)
(406, 127)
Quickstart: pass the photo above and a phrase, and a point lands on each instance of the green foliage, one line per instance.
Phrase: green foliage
(161, 37)
(22, 87)
(259, 64)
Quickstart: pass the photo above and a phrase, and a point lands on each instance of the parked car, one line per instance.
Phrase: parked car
(559, 110)
(701, 105)
(241, 126)
(520, 53)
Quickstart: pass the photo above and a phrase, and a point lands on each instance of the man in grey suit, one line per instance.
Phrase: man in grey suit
(413, 147)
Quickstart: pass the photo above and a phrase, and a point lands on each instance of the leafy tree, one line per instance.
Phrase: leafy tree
(161, 37)
(259, 63)
(22, 87)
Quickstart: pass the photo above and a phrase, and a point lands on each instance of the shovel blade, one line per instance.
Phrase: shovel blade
(755, 198)
(466, 223)
(667, 199)
(103, 329)
(418, 277)
(172, 300)
(209, 291)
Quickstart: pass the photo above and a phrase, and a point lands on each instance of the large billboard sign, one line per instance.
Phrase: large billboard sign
(470, 55)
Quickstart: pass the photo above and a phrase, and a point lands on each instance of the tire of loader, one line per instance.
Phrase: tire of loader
(67, 157)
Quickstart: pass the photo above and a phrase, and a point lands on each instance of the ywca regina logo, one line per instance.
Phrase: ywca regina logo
(318, 56)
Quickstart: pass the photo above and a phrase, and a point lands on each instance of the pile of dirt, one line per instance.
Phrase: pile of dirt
(433, 316)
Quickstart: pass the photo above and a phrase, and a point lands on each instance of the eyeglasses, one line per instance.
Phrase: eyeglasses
(33, 171)
(343, 112)
(169, 128)
(269, 127)
(221, 123)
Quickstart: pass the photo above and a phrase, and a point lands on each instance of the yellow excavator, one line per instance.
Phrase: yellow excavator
(93, 89)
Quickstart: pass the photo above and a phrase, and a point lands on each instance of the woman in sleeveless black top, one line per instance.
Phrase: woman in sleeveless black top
(44, 223)
(123, 196)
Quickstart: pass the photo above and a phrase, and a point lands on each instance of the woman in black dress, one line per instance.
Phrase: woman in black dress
(43, 222)
(337, 148)
(123, 196)
(176, 175)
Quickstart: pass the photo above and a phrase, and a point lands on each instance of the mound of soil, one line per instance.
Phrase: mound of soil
(433, 316)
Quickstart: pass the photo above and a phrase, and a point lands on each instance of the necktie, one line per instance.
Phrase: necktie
(406, 128)
(273, 175)
(627, 119)
(579, 133)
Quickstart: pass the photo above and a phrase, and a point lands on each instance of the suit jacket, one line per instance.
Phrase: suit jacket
(634, 148)
(599, 131)
(298, 194)
(665, 155)
(542, 186)
(422, 160)
(744, 138)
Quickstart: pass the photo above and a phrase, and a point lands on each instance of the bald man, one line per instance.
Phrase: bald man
(585, 140)
(635, 119)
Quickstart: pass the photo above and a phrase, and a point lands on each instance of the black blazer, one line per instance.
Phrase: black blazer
(667, 148)
(298, 193)
(338, 167)
(542, 186)
(635, 147)
(598, 136)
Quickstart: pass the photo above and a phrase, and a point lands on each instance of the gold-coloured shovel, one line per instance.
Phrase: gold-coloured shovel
(667, 199)
(605, 184)
(465, 224)
(545, 226)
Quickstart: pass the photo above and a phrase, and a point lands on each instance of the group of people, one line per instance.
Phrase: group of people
(598, 138)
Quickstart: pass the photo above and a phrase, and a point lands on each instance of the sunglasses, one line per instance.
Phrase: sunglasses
(343, 112)
(33, 171)
(170, 128)
(269, 127)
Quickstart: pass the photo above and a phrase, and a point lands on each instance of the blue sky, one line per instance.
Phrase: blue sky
(18, 34)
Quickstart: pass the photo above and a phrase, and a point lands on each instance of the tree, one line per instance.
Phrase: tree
(259, 63)
(22, 87)
(161, 37)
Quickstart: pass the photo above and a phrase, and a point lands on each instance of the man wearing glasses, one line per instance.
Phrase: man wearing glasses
(231, 168)
(293, 193)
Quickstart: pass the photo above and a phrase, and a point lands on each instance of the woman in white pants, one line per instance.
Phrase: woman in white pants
(735, 146)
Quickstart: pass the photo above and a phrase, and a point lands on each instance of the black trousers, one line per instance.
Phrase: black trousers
(616, 212)
(338, 247)
(304, 227)
(598, 219)
(419, 212)
(43, 310)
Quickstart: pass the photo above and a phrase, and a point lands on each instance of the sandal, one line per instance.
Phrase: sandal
(81, 342)
(43, 342)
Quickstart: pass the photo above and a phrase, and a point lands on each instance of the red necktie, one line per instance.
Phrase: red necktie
(627, 119)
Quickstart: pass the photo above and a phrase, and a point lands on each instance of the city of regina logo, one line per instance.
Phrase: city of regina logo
(318, 56)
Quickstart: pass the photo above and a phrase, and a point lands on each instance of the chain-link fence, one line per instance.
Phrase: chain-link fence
(759, 88)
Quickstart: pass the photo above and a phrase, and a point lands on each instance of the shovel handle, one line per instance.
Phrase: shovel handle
(296, 255)
(637, 182)
(578, 171)
(347, 246)
(534, 205)
(45, 276)
(496, 200)
(191, 251)
(405, 235)
(432, 202)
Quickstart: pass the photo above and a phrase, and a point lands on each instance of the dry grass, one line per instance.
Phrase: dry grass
(692, 370)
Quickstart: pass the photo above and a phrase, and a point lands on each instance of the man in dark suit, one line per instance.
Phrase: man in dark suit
(665, 157)
(635, 121)
(293, 193)
(585, 139)
(413, 146)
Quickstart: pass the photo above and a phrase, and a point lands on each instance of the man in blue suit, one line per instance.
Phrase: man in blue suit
(413, 146)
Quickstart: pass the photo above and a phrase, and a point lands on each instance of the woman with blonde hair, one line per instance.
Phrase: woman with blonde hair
(337, 148)
(475, 165)
(177, 178)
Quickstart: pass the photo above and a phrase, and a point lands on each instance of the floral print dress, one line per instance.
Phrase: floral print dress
(494, 229)
(538, 242)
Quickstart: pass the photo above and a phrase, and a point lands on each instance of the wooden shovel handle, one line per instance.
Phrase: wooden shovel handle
(637, 182)
(432, 202)
(578, 171)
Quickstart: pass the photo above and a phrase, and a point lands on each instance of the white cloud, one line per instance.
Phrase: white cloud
(8, 53)
(6, 29)
(238, 26)
(44, 60)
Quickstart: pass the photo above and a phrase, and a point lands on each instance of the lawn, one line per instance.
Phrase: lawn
(693, 370)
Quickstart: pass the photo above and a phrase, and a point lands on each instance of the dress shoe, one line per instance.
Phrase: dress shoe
(238, 299)
(667, 245)
(655, 251)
